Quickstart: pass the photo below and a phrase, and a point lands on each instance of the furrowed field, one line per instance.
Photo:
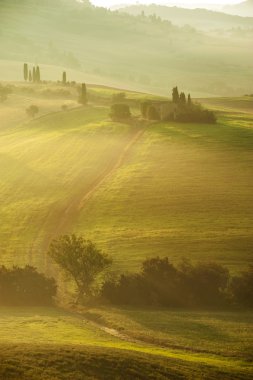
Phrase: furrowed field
(138, 190)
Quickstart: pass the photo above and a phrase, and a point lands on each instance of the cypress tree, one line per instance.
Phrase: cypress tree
(182, 98)
(25, 71)
(34, 74)
(64, 77)
(175, 95)
(83, 95)
(189, 99)
(37, 74)
(30, 76)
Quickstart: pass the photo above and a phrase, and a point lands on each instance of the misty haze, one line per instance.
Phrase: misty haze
(126, 182)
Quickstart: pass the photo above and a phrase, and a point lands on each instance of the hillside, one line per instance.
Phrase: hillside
(170, 188)
(202, 19)
(123, 50)
(245, 9)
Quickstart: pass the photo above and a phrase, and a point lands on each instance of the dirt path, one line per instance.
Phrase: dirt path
(73, 209)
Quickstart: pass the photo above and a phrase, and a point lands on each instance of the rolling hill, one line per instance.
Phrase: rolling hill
(126, 51)
(201, 19)
(182, 190)
(244, 9)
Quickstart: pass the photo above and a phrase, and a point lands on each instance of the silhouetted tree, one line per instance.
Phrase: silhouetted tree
(182, 98)
(206, 283)
(37, 74)
(4, 92)
(64, 77)
(120, 112)
(144, 109)
(25, 71)
(189, 101)
(80, 259)
(25, 286)
(32, 111)
(175, 95)
(153, 113)
(242, 288)
(34, 74)
(83, 95)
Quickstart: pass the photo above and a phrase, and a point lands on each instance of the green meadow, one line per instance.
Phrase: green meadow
(138, 190)
(50, 343)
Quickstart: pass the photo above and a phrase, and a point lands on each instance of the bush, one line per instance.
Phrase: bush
(242, 288)
(160, 283)
(25, 286)
(153, 113)
(118, 97)
(4, 92)
(32, 111)
(64, 107)
(120, 112)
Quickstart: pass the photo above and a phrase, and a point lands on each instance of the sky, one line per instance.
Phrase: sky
(186, 3)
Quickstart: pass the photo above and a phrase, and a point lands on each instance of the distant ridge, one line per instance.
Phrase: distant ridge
(199, 18)
(244, 9)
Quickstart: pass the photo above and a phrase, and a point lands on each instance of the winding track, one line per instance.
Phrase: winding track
(70, 213)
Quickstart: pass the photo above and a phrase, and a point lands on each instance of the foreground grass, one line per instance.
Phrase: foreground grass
(227, 334)
(50, 342)
(79, 363)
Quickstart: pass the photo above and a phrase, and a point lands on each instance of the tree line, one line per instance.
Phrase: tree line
(159, 282)
(32, 75)
(180, 109)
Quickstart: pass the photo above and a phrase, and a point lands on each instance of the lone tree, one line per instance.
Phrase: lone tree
(32, 111)
(37, 74)
(83, 95)
(81, 260)
(25, 71)
(34, 74)
(175, 95)
(64, 77)
(189, 100)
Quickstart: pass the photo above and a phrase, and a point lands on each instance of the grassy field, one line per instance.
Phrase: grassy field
(227, 334)
(47, 166)
(138, 190)
(185, 191)
(182, 190)
(59, 344)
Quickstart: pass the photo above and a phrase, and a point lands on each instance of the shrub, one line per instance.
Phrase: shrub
(32, 111)
(25, 286)
(64, 107)
(5, 91)
(118, 97)
(160, 283)
(242, 288)
(120, 112)
(153, 113)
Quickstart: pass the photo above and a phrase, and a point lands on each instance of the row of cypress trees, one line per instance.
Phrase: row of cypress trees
(180, 98)
(31, 75)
